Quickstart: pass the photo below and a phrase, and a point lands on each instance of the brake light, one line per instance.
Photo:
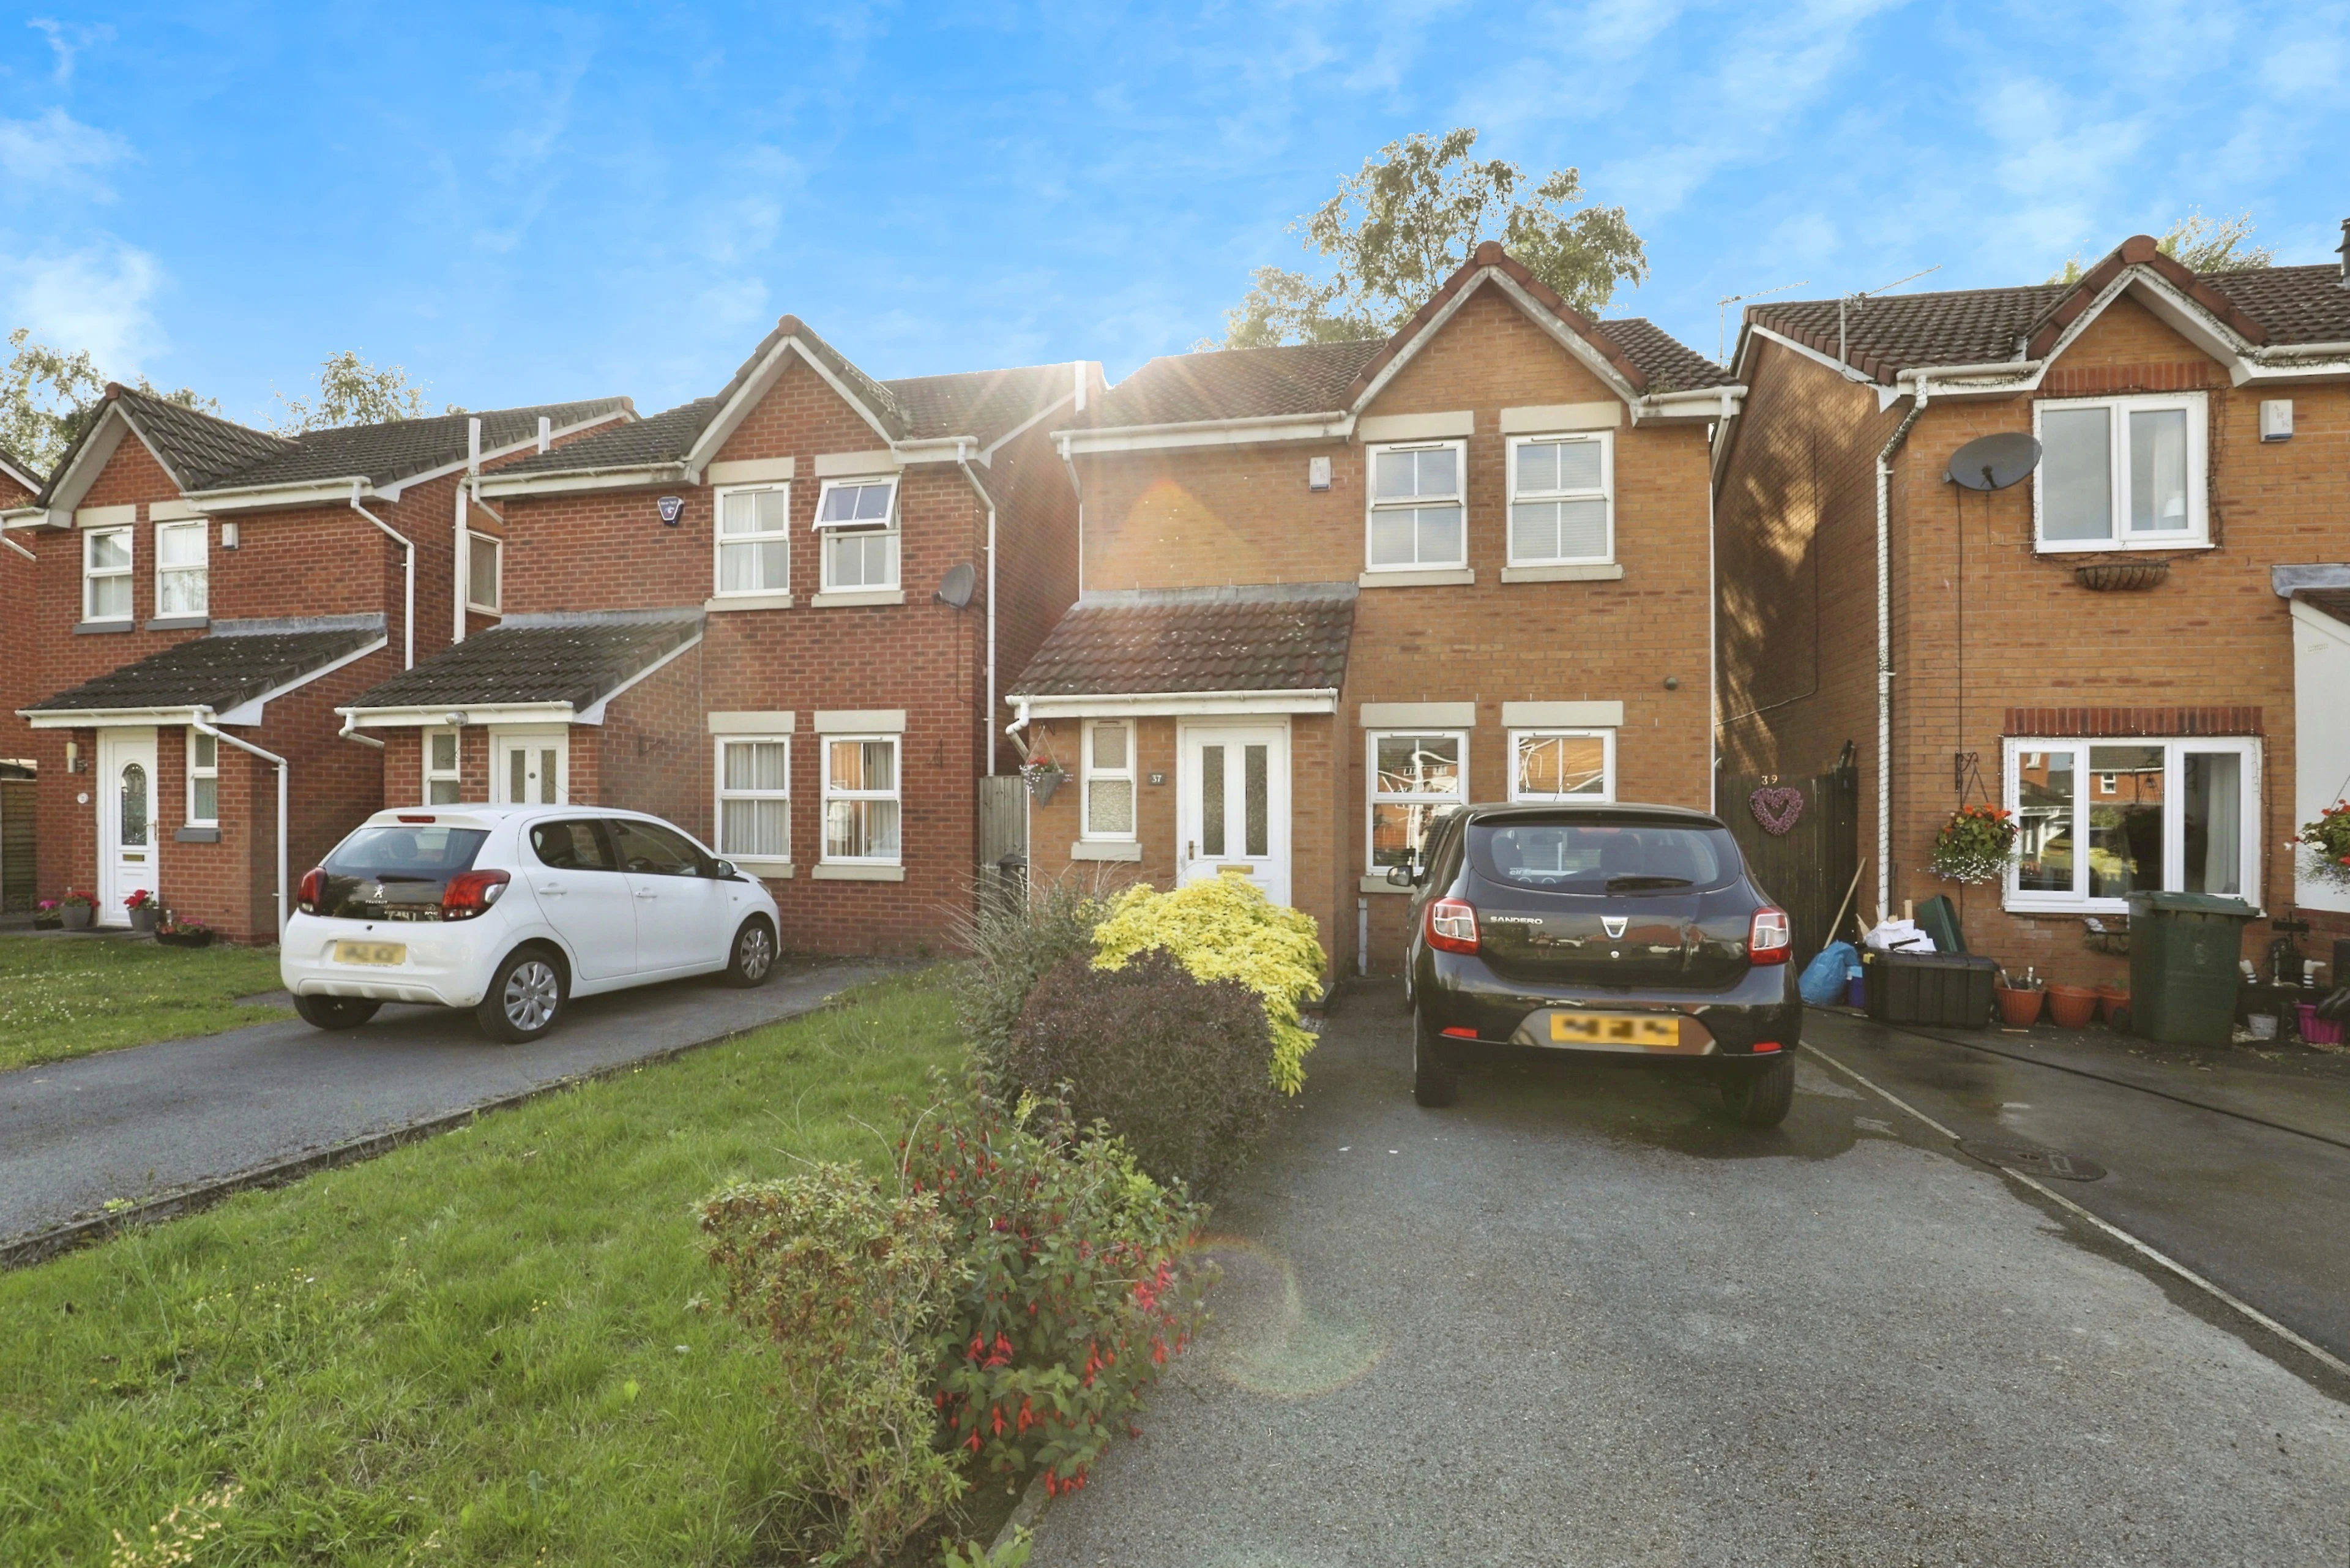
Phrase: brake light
(471, 892)
(1452, 926)
(310, 897)
(1460, 1032)
(417, 819)
(1770, 939)
(1764, 1047)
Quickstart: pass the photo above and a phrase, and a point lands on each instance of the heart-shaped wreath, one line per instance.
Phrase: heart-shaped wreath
(1778, 807)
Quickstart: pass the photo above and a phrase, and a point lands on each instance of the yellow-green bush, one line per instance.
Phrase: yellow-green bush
(1226, 929)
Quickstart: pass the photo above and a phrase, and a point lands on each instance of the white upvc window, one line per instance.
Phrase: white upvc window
(1108, 782)
(1417, 517)
(441, 785)
(182, 586)
(1562, 499)
(755, 797)
(2098, 818)
(860, 799)
(1416, 777)
(204, 780)
(858, 520)
(105, 563)
(2121, 473)
(484, 571)
(755, 540)
(1562, 765)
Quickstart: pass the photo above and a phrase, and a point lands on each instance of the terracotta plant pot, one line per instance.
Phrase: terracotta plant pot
(2018, 1008)
(2111, 1000)
(75, 916)
(2072, 1006)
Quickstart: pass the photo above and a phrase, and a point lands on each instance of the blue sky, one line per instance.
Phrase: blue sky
(521, 203)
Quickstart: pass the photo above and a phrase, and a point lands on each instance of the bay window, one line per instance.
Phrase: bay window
(860, 798)
(1417, 517)
(755, 797)
(1562, 765)
(2121, 473)
(1561, 495)
(106, 561)
(754, 545)
(181, 588)
(1415, 778)
(858, 520)
(2098, 819)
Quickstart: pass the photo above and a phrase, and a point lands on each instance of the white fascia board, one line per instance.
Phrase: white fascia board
(936, 449)
(1180, 704)
(1023, 428)
(545, 483)
(593, 713)
(249, 710)
(88, 462)
(107, 718)
(20, 476)
(714, 435)
(1808, 352)
(1698, 406)
(529, 443)
(1206, 432)
(28, 518)
(2332, 363)
(437, 715)
(307, 493)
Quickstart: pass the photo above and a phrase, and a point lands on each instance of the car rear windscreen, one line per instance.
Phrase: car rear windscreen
(1603, 857)
(420, 854)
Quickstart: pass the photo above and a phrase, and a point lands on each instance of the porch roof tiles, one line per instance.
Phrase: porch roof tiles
(1284, 638)
(575, 658)
(234, 663)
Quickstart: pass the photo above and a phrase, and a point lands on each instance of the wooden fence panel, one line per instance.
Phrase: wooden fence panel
(16, 872)
(1807, 870)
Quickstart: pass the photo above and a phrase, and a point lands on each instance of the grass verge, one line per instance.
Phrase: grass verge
(491, 1347)
(69, 996)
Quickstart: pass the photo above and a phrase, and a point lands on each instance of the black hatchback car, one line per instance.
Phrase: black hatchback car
(1625, 932)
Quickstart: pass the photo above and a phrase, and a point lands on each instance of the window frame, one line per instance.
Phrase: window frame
(721, 795)
(2175, 748)
(1373, 506)
(890, 527)
(91, 575)
(454, 776)
(202, 529)
(196, 773)
(828, 794)
(1606, 738)
(1606, 494)
(720, 539)
(1087, 771)
(2196, 536)
(1373, 799)
(475, 540)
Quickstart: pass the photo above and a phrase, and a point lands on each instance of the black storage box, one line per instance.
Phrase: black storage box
(1949, 989)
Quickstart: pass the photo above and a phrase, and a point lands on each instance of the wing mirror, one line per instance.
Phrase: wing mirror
(724, 870)
(1403, 877)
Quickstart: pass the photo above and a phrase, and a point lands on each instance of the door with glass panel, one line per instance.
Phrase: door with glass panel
(530, 768)
(1234, 807)
(126, 820)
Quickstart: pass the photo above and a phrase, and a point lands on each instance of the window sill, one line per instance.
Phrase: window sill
(1379, 884)
(1579, 572)
(1103, 849)
(851, 871)
(1450, 578)
(761, 866)
(90, 627)
(833, 597)
(473, 608)
(196, 835)
(748, 602)
(2108, 548)
(179, 623)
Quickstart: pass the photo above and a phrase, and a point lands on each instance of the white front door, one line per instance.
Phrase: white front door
(1235, 811)
(530, 767)
(126, 820)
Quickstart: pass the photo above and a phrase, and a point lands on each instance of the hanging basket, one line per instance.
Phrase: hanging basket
(2326, 847)
(1044, 781)
(2121, 577)
(1976, 845)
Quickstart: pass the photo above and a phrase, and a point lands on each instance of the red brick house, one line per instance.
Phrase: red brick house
(781, 616)
(18, 562)
(2108, 648)
(205, 594)
(1331, 590)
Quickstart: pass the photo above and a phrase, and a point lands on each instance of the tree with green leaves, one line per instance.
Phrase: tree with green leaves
(2200, 244)
(1409, 220)
(49, 397)
(353, 392)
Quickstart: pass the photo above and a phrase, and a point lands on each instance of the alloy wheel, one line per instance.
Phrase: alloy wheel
(532, 994)
(756, 952)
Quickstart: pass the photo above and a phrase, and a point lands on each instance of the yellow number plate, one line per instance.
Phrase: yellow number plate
(1645, 1030)
(371, 953)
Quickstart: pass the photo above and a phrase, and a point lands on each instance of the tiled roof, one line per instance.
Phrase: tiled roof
(236, 662)
(20, 470)
(2295, 304)
(985, 404)
(576, 659)
(1236, 384)
(1670, 365)
(200, 449)
(664, 438)
(384, 452)
(1288, 637)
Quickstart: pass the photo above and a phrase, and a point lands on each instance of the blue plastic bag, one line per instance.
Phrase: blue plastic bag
(1823, 980)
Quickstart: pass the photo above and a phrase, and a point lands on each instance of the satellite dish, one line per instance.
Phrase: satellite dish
(1995, 461)
(955, 588)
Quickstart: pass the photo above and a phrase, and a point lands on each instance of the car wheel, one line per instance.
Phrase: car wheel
(336, 1012)
(1761, 1096)
(752, 959)
(524, 997)
(1434, 1079)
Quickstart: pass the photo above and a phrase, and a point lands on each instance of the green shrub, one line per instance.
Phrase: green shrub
(1226, 929)
(856, 1288)
(1173, 1064)
(1081, 1281)
(1013, 947)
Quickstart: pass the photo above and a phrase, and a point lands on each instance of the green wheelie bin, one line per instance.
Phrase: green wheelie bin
(2183, 953)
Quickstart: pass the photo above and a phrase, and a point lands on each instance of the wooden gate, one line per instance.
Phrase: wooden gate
(15, 844)
(1003, 835)
(1807, 870)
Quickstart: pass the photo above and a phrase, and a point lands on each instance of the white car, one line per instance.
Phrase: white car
(511, 912)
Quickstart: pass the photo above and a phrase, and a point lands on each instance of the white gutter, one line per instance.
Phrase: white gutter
(202, 726)
(347, 733)
(1885, 651)
(989, 501)
(408, 613)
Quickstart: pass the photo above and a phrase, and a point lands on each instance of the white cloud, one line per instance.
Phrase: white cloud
(97, 298)
(57, 149)
(66, 41)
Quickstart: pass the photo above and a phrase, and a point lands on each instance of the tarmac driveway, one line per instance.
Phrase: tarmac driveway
(156, 1119)
(1580, 1319)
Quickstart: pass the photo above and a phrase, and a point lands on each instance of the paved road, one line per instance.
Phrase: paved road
(148, 1121)
(1579, 1319)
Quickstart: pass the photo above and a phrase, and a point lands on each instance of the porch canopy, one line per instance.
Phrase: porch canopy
(1262, 649)
(560, 669)
(227, 676)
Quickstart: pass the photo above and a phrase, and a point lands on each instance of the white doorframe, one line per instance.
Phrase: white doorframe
(534, 745)
(1198, 855)
(127, 835)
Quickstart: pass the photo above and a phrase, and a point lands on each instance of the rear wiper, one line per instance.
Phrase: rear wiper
(1627, 883)
(397, 877)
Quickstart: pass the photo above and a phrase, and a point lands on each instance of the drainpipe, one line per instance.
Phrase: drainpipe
(347, 733)
(1885, 651)
(461, 551)
(408, 613)
(1019, 722)
(963, 462)
(203, 725)
(19, 548)
(1079, 491)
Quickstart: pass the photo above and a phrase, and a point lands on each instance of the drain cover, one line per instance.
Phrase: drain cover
(2030, 1161)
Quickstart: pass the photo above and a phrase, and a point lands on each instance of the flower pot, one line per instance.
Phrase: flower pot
(184, 939)
(142, 919)
(2018, 1008)
(2113, 1000)
(2072, 1006)
(76, 916)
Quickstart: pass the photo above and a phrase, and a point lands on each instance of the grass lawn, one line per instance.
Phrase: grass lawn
(68, 996)
(489, 1347)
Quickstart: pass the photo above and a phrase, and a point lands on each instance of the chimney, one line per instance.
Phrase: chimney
(473, 445)
(545, 432)
(1078, 382)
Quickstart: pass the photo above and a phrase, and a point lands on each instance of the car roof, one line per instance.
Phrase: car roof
(477, 816)
(1598, 810)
